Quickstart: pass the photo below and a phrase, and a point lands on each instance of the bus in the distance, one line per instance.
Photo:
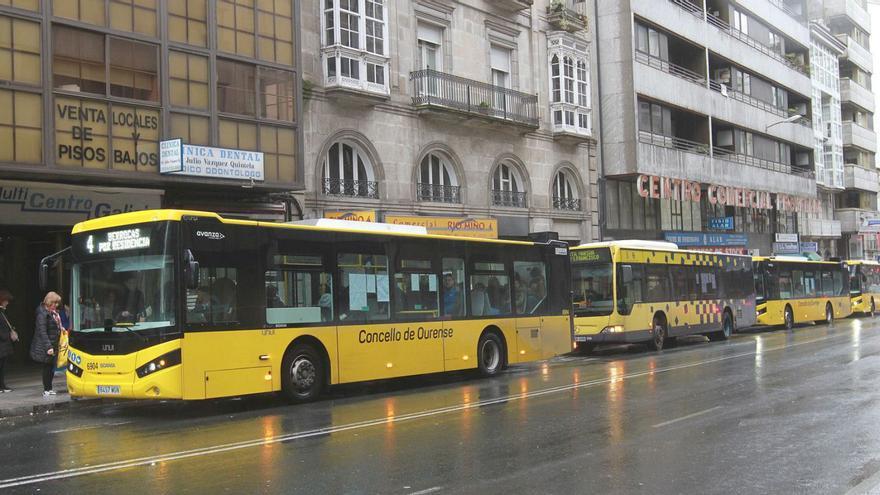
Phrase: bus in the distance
(792, 290)
(653, 292)
(864, 285)
(174, 304)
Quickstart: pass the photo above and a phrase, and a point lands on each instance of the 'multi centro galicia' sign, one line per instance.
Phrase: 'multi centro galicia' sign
(205, 161)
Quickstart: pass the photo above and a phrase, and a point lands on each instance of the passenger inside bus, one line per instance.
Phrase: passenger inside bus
(452, 301)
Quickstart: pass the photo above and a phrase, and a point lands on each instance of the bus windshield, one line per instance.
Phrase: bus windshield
(592, 282)
(124, 280)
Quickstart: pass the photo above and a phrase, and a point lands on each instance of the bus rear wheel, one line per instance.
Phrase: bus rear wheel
(490, 358)
(726, 328)
(658, 334)
(788, 318)
(302, 374)
(829, 314)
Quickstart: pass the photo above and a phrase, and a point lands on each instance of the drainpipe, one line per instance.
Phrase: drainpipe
(600, 181)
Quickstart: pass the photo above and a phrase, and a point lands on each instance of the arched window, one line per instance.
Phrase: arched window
(348, 172)
(437, 180)
(507, 187)
(565, 195)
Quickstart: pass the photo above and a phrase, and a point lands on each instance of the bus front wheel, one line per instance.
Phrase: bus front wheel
(489, 354)
(658, 334)
(788, 318)
(302, 374)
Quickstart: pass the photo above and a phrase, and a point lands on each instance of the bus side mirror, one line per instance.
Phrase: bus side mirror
(191, 270)
(627, 273)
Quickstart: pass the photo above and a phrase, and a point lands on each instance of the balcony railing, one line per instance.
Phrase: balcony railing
(788, 10)
(437, 89)
(675, 143)
(670, 68)
(573, 204)
(509, 198)
(438, 193)
(754, 161)
(351, 188)
(755, 102)
(568, 16)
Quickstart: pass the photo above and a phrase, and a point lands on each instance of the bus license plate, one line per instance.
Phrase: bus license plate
(580, 338)
(108, 390)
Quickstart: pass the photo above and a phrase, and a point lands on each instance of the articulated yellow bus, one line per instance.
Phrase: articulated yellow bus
(189, 305)
(864, 285)
(792, 290)
(653, 292)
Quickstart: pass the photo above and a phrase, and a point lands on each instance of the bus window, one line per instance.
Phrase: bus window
(529, 287)
(216, 300)
(629, 292)
(591, 282)
(416, 290)
(759, 282)
(489, 289)
(681, 281)
(785, 283)
(657, 287)
(453, 287)
(839, 287)
(365, 290)
(707, 282)
(797, 283)
(855, 278)
(299, 291)
(810, 283)
(827, 283)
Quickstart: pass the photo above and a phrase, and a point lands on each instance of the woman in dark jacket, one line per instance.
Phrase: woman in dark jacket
(7, 337)
(47, 332)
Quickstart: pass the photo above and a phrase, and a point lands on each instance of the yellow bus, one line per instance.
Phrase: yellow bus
(654, 292)
(174, 304)
(792, 290)
(864, 285)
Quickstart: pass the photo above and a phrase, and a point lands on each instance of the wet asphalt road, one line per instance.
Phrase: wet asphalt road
(766, 412)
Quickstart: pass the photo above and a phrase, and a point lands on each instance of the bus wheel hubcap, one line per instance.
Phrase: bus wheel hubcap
(490, 355)
(303, 373)
(658, 335)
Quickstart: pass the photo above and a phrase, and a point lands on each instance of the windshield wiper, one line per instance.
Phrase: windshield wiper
(109, 325)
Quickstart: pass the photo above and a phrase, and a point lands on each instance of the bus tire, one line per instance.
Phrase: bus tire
(829, 314)
(788, 317)
(490, 354)
(658, 333)
(873, 308)
(303, 376)
(726, 328)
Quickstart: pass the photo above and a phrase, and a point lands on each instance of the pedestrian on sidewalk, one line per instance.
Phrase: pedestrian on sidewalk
(8, 336)
(47, 331)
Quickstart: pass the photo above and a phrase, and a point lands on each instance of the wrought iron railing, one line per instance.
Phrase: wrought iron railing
(509, 198)
(352, 188)
(756, 102)
(433, 88)
(674, 143)
(566, 203)
(438, 193)
(670, 68)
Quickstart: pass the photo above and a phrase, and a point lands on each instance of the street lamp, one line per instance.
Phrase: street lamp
(793, 118)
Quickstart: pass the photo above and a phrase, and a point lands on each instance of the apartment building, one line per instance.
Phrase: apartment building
(420, 111)
(706, 121)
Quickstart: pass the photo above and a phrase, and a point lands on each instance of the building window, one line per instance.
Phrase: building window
(19, 51)
(348, 172)
(238, 135)
(138, 16)
(189, 80)
(354, 44)
(192, 129)
(33, 5)
(88, 11)
(79, 65)
(565, 195)
(740, 22)
(437, 180)
(235, 27)
(570, 85)
(278, 145)
(507, 187)
(133, 70)
(21, 136)
(275, 25)
(188, 22)
(276, 94)
(236, 87)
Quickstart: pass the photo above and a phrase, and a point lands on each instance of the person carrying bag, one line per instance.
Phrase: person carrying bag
(45, 346)
(8, 336)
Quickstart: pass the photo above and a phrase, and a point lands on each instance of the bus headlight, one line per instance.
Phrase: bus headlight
(613, 329)
(74, 370)
(160, 363)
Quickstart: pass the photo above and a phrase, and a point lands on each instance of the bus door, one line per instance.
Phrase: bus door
(530, 303)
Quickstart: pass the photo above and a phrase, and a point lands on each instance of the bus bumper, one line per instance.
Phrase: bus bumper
(605, 337)
(89, 376)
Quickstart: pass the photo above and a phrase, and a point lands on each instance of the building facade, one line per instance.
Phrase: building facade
(89, 88)
(706, 121)
(469, 109)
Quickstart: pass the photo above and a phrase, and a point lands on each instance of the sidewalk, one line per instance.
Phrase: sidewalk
(27, 398)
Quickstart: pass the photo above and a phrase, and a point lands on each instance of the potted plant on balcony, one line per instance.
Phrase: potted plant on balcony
(483, 107)
(562, 18)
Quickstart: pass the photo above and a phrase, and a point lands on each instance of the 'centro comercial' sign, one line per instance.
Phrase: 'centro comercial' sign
(658, 187)
(178, 158)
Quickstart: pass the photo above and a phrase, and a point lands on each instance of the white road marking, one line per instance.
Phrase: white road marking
(257, 442)
(427, 490)
(689, 416)
(89, 427)
(870, 486)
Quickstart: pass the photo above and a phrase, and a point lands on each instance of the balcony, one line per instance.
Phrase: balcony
(856, 177)
(568, 15)
(752, 161)
(722, 25)
(510, 199)
(852, 219)
(670, 68)
(351, 188)
(856, 94)
(438, 193)
(858, 136)
(674, 143)
(818, 227)
(438, 90)
(573, 204)
(511, 5)
(856, 53)
(850, 9)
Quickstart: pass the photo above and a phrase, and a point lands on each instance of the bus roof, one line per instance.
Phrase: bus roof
(147, 216)
(861, 262)
(793, 259)
(664, 246)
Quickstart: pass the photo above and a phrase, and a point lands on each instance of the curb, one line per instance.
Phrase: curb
(15, 412)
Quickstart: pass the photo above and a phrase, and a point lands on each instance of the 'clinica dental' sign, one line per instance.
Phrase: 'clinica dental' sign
(178, 158)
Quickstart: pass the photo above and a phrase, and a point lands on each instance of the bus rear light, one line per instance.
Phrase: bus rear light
(613, 329)
(165, 361)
